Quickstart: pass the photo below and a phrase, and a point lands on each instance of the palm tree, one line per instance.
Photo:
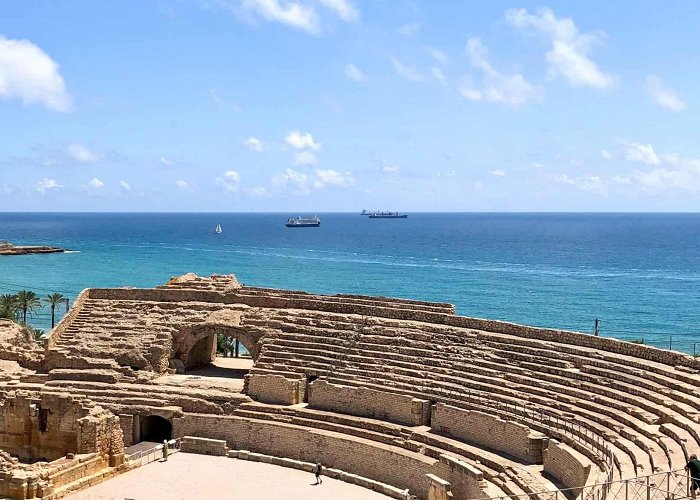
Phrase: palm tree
(8, 306)
(38, 334)
(27, 302)
(53, 299)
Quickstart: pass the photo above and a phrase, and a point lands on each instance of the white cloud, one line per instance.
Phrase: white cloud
(257, 192)
(297, 140)
(355, 73)
(300, 183)
(591, 183)
(293, 14)
(512, 90)
(125, 185)
(407, 72)
(438, 55)
(46, 184)
(333, 178)
(664, 97)
(390, 168)
(165, 161)
(634, 151)
(216, 98)
(304, 158)
(230, 181)
(344, 9)
(448, 173)
(29, 74)
(221, 103)
(182, 184)
(537, 165)
(410, 29)
(606, 154)
(95, 183)
(568, 56)
(437, 74)
(669, 179)
(499, 172)
(618, 179)
(291, 180)
(669, 172)
(82, 154)
(254, 144)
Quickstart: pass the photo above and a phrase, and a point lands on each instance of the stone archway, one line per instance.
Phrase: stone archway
(155, 428)
(195, 345)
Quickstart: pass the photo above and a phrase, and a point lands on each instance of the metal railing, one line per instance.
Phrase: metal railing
(554, 426)
(149, 455)
(672, 485)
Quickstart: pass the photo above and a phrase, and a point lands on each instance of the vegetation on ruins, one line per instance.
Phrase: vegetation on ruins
(226, 345)
(54, 299)
(8, 306)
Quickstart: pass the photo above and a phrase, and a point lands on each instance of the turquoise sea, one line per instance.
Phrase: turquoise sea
(638, 273)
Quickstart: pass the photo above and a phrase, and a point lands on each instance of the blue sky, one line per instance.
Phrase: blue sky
(340, 105)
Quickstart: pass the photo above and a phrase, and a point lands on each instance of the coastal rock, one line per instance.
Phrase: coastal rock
(7, 248)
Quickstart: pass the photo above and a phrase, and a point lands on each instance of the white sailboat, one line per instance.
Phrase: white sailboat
(218, 229)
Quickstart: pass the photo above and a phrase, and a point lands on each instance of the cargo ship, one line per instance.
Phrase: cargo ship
(304, 222)
(387, 215)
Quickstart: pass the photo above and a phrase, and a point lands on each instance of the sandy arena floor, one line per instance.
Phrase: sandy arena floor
(189, 476)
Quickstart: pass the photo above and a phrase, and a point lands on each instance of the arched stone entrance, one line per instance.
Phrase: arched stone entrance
(195, 345)
(155, 428)
(201, 353)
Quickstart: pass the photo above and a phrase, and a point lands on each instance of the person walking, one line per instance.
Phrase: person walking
(693, 468)
(317, 472)
(165, 450)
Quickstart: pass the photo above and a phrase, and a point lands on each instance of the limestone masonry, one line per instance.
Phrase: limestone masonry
(390, 394)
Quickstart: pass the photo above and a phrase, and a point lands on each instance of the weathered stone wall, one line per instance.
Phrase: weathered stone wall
(202, 353)
(384, 463)
(489, 431)
(571, 468)
(274, 389)
(204, 446)
(48, 426)
(371, 403)
(126, 422)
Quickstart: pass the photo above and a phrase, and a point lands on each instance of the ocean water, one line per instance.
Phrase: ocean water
(638, 273)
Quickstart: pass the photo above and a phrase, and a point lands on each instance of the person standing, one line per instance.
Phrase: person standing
(693, 468)
(165, 450)
(317, 472)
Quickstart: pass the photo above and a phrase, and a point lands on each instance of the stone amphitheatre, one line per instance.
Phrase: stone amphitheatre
(388, 394)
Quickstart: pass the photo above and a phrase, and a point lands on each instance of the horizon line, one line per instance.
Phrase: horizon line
(286, 212)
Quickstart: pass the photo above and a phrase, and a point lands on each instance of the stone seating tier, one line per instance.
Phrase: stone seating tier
(594, 396)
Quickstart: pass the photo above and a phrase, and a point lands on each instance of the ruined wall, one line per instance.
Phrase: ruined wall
(384, 463)
(370, 403)
(489, 431)
(274, 389)
(571, 468)
(48, 426)
(17, 344)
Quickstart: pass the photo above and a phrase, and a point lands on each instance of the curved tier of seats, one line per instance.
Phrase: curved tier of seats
(493, 408)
